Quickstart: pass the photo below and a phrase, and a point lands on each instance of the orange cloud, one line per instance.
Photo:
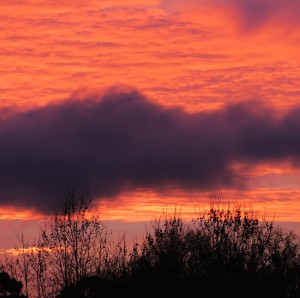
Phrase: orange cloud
(17, 213)
(278, 204)
(49, 50)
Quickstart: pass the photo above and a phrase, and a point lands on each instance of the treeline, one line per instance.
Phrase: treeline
(224, 252)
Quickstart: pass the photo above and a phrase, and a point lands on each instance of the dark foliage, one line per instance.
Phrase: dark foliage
(224, 253)
(9, 287)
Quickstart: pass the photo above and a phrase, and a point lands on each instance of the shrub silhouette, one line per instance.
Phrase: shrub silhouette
(9, 287)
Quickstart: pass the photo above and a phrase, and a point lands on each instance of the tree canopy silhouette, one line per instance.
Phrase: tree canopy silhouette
(223, 252)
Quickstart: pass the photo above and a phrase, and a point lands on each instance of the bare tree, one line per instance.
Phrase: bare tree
(77, 242)
(23, 262)
(38, 259)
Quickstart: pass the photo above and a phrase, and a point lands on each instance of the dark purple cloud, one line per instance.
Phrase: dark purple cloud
(250, 14)
(120, 141)
(255, 13)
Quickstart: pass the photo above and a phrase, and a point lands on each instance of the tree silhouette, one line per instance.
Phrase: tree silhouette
(73, 244)
(224, 252)
(77, 242)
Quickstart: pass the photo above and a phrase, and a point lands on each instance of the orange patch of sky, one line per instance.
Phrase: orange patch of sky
(16, 213)
(278, 204)
(50, 50)
(146, 205)
(279, 168)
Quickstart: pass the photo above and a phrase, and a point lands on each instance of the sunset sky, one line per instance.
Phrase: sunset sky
(148, 105)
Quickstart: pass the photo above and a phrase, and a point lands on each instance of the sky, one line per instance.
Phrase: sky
(148, 105)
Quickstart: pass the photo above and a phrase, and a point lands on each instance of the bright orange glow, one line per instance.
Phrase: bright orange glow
(195, 60)
(282, 168)
(27, 250)
(15, 213)
(278, 204)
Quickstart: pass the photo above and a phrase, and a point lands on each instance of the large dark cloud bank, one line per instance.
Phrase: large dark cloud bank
(121, 141)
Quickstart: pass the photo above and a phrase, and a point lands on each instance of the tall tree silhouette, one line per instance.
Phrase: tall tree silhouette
(77, 242)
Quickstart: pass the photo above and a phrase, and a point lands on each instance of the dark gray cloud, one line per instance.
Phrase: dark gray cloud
(255, 13)
(120, 141)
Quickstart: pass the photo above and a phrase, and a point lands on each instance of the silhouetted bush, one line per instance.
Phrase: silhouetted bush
(223, 253)
(9, 287)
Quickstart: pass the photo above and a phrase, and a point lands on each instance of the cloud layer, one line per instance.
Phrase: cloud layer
(121, 141)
